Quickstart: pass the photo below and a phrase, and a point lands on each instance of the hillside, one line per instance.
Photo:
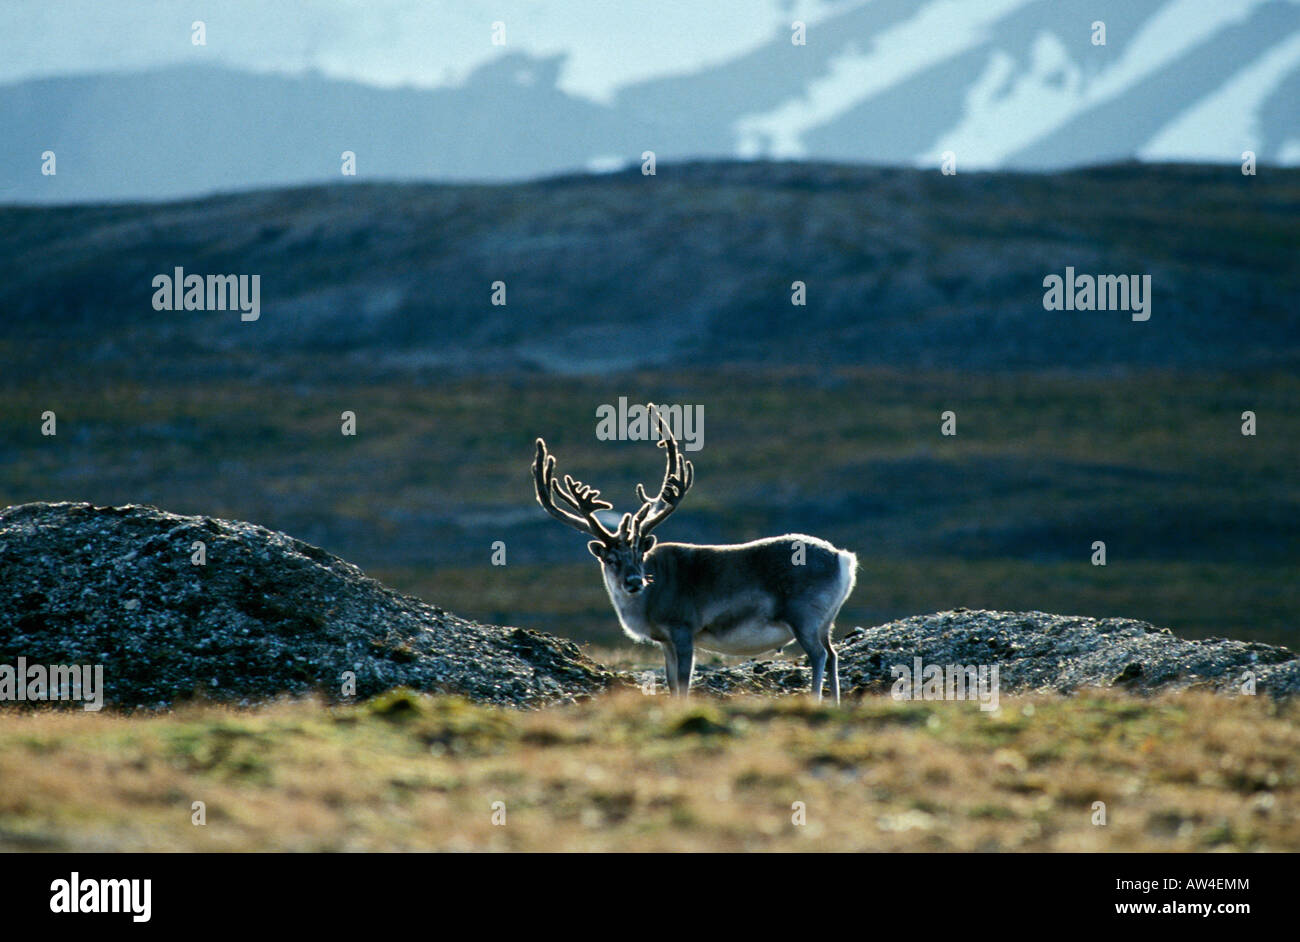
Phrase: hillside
(904, 268)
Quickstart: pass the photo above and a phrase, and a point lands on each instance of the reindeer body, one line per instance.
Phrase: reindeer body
(744, 599)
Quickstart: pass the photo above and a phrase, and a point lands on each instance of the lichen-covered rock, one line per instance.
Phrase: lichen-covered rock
(1033, 651)
(264, 615)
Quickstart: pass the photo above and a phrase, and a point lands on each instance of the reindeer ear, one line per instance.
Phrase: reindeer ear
(597, 549)
(648, 542)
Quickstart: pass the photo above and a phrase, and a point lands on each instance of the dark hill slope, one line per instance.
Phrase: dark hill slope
(693, 266)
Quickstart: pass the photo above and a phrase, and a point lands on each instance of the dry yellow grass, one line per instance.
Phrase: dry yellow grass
(627, 772)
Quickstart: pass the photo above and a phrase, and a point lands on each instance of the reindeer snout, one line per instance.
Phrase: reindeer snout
(634, 584)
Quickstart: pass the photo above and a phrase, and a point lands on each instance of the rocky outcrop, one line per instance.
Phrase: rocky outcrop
(260, 614)
(1033, 651)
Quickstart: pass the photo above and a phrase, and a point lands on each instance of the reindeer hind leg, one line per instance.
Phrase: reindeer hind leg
(832, 661)
(809, 635)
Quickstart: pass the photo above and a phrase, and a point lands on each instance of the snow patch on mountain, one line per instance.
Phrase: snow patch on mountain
(1224, 124)
(1054, 89)
(938, 31)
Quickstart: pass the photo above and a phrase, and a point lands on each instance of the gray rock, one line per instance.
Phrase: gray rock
(266, 615)
(1034, 651)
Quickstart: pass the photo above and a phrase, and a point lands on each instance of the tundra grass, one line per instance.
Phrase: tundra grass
(627, 772)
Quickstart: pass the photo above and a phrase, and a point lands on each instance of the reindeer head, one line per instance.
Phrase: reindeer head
(622, 552)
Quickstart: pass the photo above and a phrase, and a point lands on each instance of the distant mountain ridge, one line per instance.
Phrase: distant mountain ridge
(1018, 86)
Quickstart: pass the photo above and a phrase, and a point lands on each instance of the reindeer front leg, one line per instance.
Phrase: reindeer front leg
(679, 660)
(670, 665)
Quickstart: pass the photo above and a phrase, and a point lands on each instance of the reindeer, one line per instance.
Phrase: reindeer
(745, 598)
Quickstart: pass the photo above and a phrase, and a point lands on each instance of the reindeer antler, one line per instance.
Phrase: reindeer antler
(678, 478)
(581, 497)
